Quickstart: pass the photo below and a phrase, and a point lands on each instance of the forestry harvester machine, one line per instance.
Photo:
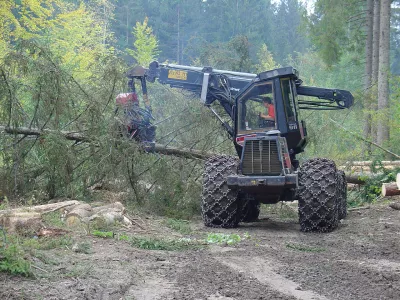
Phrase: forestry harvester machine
(267, 135)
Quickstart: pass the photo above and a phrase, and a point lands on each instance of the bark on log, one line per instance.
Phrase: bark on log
(390, 189)
(355, 179)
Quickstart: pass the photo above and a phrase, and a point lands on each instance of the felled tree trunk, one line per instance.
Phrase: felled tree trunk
(159, 148)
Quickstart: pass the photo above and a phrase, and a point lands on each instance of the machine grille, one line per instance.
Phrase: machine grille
(261, 157)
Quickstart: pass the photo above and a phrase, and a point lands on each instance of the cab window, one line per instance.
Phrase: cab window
(257, 109)
(288, 100)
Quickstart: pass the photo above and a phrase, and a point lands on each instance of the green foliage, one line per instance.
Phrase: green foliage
(333, 29)
(103, 234)
(181, 226)
(372, 188)
(265, 60)
(223, 239)
(145, 45)
(12, 260)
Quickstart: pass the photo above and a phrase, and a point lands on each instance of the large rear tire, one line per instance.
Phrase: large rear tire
(318, 195)
(342, 201)
(250, 208)
(220, 204)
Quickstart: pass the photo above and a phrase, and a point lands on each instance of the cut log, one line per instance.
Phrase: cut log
(398, 180)
(42, 209)
(24, 223)
(77, 213)
(390, 189)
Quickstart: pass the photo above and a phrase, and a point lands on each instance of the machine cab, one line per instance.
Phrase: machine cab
(267, 104)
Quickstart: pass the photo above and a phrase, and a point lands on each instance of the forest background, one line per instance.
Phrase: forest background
(62, 63)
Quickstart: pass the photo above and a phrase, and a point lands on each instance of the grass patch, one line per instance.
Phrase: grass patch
(225, 239)
(182, 226)
(304, 248)
(103, 234)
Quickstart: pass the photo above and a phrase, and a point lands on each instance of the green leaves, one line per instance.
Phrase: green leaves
(221, 238)
(145, 45)
(12, 261)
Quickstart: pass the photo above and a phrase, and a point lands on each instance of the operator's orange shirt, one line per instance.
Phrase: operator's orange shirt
(271, 111)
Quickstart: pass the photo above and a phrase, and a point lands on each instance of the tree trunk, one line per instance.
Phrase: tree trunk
(383, 76)
(375, 65)
(368, 70)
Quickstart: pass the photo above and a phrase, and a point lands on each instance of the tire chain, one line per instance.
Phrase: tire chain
(342, 201)
(220, 204)
(318, 195)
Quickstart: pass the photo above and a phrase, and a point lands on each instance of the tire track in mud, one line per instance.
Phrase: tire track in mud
(264, 272)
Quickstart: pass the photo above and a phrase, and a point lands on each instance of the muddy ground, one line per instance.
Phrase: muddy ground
(360, 260)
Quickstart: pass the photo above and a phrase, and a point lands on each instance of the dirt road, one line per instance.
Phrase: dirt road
(360, 260)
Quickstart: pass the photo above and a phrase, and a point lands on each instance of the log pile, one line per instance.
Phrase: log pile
(28, 220)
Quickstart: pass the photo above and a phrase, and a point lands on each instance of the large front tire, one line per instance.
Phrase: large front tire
(220, 204)
(318, 195)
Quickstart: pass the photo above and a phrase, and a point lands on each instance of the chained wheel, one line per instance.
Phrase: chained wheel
(342, 201)
(318, 195)
(250, 208)
(220, 204)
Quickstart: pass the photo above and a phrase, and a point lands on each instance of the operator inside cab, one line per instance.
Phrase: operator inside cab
(267, 118)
